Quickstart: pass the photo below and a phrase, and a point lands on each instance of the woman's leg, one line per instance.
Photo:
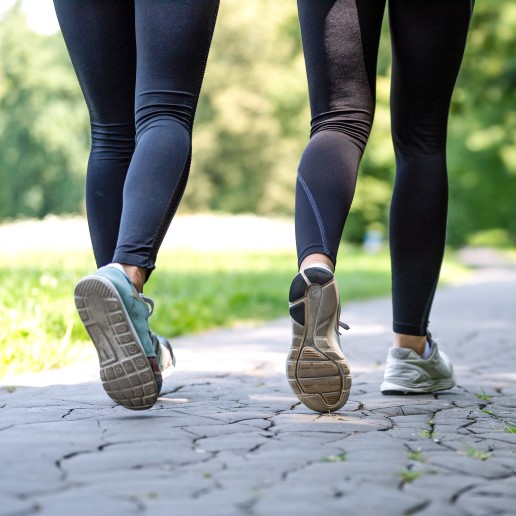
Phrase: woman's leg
(340, 43)
(428, 39)
(167, 57)
(101, 41)
(162, 48)
(173, 39)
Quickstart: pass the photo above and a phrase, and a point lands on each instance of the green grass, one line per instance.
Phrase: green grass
(509, 427)
(478, 454)
(340, 457)
(425, 433)
(408, 475)
(193, 291)
(483, 396)
(416, 456)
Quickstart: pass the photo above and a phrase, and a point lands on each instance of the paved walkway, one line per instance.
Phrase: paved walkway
(228, 437)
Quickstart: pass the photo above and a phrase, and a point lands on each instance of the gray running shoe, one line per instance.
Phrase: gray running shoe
(116, 316)
(407, 372)
(317, 370)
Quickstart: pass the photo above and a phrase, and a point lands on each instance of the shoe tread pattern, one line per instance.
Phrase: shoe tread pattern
(125, 371)
(317, 370)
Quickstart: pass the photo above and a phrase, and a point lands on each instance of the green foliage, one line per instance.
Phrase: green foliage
(482, 149)
(253, 117)
(40, 329)
(43, 123)
(491, 238)
(370, 208)
(38, 325)
(253, 123)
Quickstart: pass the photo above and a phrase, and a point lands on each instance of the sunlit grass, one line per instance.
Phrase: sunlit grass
(193, 291)
(510, 254)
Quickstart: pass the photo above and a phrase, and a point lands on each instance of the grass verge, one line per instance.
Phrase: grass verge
(193, 291)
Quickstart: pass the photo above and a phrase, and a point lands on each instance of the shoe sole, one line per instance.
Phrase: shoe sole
(125, 371)
(393, 389)
(317, 370)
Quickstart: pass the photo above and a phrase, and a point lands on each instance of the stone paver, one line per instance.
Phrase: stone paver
(227, 436)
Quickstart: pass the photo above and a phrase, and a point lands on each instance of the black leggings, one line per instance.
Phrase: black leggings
(140, 64)
(340, 42)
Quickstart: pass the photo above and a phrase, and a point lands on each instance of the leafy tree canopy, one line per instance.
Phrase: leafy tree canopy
(253, 123)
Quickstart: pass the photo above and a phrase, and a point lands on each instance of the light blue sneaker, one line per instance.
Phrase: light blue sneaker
(407, 372)
(116, 317)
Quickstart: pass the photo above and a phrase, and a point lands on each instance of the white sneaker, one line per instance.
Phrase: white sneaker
(407, 372)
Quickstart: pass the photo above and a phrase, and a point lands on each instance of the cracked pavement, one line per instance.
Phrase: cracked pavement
(228, 437)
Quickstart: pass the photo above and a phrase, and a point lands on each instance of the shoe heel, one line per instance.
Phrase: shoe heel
(317, 370)
(125, 371)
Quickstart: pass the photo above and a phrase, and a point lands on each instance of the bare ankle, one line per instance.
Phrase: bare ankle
(414, 342)
(136, 275)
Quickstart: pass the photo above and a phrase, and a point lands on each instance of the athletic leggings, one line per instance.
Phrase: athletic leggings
(340, 43)
(140, 64)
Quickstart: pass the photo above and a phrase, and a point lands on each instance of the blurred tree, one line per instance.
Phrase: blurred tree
(253, 123)
(253, 114)
(482, 144)
(370, 209)
(43, 123)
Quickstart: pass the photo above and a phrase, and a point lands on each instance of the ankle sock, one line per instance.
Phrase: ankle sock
(116, 266)
(319, 265)
(428, 350)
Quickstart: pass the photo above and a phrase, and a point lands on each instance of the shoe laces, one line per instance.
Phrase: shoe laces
(343, 325)
(155, 341)
(162, 345)
(149, 302)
